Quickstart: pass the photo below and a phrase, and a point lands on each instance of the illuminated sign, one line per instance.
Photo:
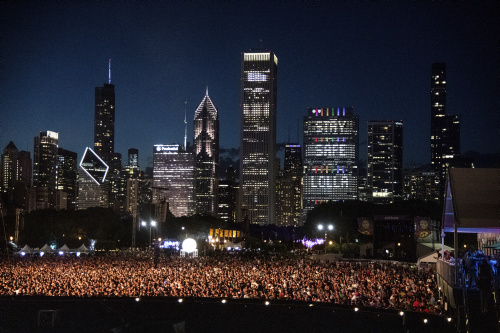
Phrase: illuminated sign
(53, 135)
(167, 147)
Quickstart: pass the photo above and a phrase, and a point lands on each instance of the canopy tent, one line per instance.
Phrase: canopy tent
(82, 249)
(64, 249)
(472, 202)
(46, 249)
(495, 246)
(431, 257)
(26, 249)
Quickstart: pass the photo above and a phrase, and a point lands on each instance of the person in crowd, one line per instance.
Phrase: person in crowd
(470, 270)
(484, 284)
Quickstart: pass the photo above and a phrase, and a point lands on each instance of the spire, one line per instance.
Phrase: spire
(109, 80)
(185, 125)
(206, 94)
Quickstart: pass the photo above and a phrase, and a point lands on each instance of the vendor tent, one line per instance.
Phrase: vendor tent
(64, 249)
(26, 250)
(46, 249)
(82, 249)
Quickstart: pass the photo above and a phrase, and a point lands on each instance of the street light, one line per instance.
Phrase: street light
(151, 224)
(329, 227)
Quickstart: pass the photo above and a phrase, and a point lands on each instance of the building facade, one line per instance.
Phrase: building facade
(385, 161)
(421, 185)
(67, 171)
(289, 188)
(331, 152)
(93, 186)
(104, 123)
(445, 128)
(206, 150)
(259, 70)
(173, 174)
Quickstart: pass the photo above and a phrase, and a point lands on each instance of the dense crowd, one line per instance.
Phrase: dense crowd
(369, 284)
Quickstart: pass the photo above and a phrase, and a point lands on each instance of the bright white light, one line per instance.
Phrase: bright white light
(23, 253)
(449, 319)
(356, 309)
(386, 251)
(137, 299)
(78, 254)
(266, 303)
(223, 301)
(41, 253)
(425, 321)
(61, 253)
(143, 223)
(189, 245)
(401, 313)
(310, 305)
(180, 300)
(330, 227)
(153, 223)
(320, 227)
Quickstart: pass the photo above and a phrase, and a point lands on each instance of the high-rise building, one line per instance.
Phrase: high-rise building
(259, 70)
(67, 175)
(421, 185)
(445, 128)
(133, 157)
(104, 123)
(206, 150)
(385, 161)
(331, 152)
(93, 187)
(289, 188)
(45, 160)
(173, 173)
(9, 167)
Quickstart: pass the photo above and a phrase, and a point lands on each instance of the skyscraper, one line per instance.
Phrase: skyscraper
(9, 167)
(289, 188)
(331, 151)
(206, 150)
(93, 187)
(67, 175)
(445, 128)
(133, 157)
(173, 172)
(104, 122)
(385, 161)
(259, 71)
(45, 160)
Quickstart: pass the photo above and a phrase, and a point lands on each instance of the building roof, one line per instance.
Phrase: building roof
(472, 200)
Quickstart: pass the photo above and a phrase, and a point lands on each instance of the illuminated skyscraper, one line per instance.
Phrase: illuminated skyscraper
(9, 167)
(258, 136)
(445, 128)
(93, 186)
(331, 152)
(173, 172)
(206, 150)
(45, 160)
(385, 161)
(104, 122)
(133, 157)
(289, 188)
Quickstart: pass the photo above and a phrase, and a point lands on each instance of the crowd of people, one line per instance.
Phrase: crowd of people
(369, 284)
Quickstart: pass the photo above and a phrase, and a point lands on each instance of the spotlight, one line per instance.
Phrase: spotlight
(180, 300)
(356, 309)
(223, 301)
(266, 303)
(449, 319)
(401, 313)
(425, 321)
(137, 299)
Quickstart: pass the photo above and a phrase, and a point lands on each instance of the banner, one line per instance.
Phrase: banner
(365, 226)
(422, 227)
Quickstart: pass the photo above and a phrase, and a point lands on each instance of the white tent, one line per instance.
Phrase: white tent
(26, 250)
(82, 249)
(432, 256)
(64, 249)
(46, 249)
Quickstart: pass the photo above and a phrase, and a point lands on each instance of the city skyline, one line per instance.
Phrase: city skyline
(374, 57)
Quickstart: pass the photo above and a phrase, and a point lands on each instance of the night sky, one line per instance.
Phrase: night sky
(374, 56)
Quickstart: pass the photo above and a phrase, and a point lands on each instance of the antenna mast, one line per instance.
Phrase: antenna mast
(185, 125)
(109, 71)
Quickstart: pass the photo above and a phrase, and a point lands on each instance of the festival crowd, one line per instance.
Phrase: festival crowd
(368, 284)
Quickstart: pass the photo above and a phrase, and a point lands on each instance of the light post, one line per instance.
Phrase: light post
(326, 228)
(151, 224)
(186, 231)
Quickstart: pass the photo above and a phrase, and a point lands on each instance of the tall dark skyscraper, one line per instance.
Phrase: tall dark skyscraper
(445, 128)
(206, 150)
(385, 161)
(67, 175)
(331, 152)
(8, 168)
(259, 70)
(289, 188)
(104, 122)
(45, 160)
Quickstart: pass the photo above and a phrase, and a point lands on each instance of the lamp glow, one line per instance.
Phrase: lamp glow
(189, 245)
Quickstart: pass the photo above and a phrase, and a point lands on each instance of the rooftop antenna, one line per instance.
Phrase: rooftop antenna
(206, 94)
(109, 71)
(185, 124)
